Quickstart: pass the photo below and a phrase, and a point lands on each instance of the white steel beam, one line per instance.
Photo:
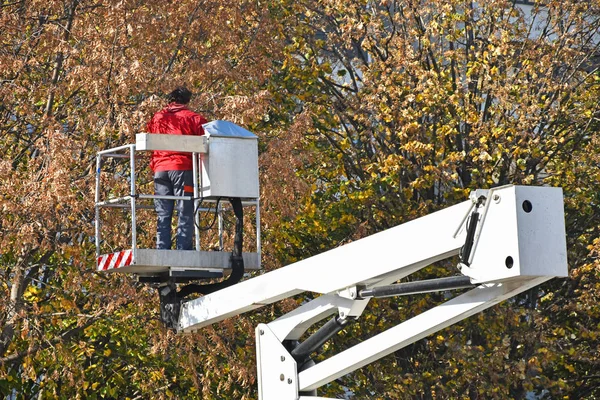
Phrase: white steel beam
(385, 256)
(408, 332)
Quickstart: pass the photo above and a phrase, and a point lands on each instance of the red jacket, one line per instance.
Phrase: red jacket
(174, 119)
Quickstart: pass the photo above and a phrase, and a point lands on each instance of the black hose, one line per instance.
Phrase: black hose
(216, 213)
(236, 260)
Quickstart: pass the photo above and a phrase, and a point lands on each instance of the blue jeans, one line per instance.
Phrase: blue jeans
(174, 183)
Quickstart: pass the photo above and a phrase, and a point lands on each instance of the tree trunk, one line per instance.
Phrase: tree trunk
(16, 290)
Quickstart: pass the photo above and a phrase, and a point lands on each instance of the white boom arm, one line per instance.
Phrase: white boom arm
(518, 242)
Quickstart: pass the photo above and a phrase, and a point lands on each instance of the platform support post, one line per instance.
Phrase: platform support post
(258, 230)
(196, 200)
(220, 222)
(133, 199)
(97, 209)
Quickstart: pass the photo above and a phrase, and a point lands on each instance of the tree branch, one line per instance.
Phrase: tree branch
(17, 357)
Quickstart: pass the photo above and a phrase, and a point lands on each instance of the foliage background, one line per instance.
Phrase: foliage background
(369, 114)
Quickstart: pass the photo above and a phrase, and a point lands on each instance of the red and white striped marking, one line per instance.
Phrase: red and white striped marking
(115, 260)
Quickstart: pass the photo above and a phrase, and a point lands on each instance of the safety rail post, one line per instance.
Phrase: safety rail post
(97, 208)
(201, 186)
(196, 200)
(133, 199)
(258, 231)
(219, 212)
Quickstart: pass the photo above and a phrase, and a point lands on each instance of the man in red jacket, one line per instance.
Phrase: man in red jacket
(173, 174)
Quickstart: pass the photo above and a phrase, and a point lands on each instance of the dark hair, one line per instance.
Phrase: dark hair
(180, 95)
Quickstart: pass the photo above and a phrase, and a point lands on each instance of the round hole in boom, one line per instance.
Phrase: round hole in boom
(509, 262)
(527, 206)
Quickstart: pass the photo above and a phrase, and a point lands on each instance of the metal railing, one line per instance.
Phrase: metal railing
(132, 200)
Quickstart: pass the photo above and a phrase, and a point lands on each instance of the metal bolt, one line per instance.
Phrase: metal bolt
(282, 358)
(352, 293)
(496, 198)
(290, 381)
(342, 315)
(262, 332)
(281, 377)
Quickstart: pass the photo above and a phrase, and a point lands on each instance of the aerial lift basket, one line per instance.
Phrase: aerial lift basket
(228, 170)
